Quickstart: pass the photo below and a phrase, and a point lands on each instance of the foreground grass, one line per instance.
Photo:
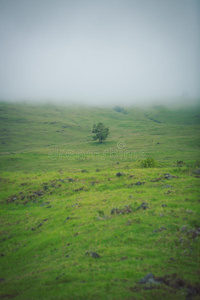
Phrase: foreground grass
(45, 235)
(57, 199)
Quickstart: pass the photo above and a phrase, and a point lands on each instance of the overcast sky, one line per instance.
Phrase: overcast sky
(95, 51)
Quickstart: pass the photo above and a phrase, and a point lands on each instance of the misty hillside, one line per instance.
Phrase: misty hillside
(31, 126)
(42, 130)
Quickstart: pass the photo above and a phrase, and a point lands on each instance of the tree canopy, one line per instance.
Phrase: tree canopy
(101, 132)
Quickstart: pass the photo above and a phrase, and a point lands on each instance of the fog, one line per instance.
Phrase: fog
(99, 51)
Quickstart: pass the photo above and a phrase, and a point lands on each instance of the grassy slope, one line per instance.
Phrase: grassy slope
(45, 149)
(31, 134)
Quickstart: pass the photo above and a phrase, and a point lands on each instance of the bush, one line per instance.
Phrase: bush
(120, 109)
(149, 162)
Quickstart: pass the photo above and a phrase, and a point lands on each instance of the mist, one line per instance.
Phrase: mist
(99, 52)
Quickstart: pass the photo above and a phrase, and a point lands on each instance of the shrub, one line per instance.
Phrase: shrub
(149, 162)
(120, 109)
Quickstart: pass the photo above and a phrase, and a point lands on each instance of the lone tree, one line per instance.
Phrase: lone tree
(101, 132)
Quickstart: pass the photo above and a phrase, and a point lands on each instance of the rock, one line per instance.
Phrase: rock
(12, 199)
(169, 176)
(172, 259)
(140, 183)
(148, 279)
(115, 211)
(160, 229)
(119, 174)
(126, 210)
(193, 233)
(197, 172)
(184, 228)
(167, 186)
(79, 189)
(144, 205)
(156, 179)
(98, 170)
(67, 219)
(70, 179)
(175, 282)
(84, 171)
(189, 211)
(38, 193)
(2, 279)
(163, 228)
(164, 205)
(92, 254)
(123, 258)
(192, 292)
(45, 203)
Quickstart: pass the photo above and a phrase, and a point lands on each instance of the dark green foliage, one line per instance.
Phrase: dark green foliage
(149, 162)
(101, 213)
(101, 132)
(120, 109)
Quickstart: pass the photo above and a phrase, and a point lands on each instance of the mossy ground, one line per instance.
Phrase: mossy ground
(58, 189)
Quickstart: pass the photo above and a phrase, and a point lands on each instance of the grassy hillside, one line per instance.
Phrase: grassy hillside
(51, 137)
(66, 198)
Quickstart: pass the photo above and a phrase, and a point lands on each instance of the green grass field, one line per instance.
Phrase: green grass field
(61, 202)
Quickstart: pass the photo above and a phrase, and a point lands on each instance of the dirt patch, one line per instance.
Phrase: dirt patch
(172, 281)
(157, 179)
(79, 189)
(126, 210)
(8, 296)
